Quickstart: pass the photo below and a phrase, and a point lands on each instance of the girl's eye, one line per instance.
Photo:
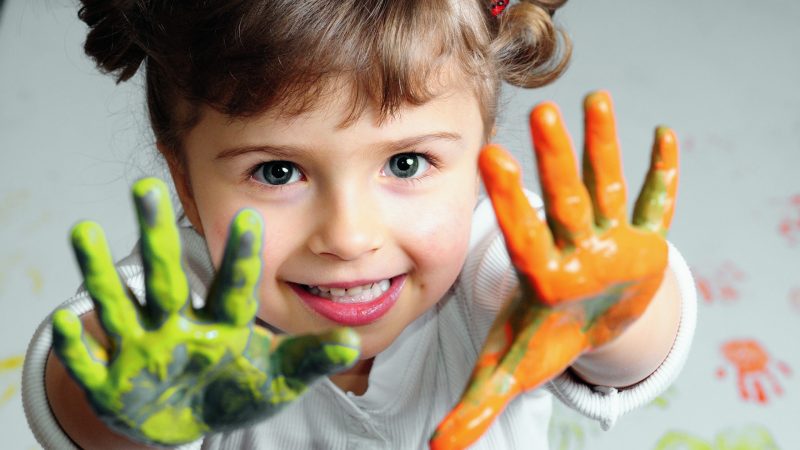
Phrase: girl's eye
(277, 173)
(407, 165)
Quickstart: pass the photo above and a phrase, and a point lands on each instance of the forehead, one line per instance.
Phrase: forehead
(453, 105)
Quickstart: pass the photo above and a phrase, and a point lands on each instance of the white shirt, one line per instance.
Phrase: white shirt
(413, 383)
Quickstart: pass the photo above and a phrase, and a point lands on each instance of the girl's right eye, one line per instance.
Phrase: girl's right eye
(277, 173)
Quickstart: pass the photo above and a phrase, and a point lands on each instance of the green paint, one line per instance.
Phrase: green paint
(568, 430)
(675, 440)
(649, 210)
(663, 400)
(753, 437)
(595, 307)
(176, 373)
(166, 287)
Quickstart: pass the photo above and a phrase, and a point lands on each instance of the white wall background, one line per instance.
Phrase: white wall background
(723, 74)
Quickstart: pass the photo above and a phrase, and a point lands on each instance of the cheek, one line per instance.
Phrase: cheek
(438, 241)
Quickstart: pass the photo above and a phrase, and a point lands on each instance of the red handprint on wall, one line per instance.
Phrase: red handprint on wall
(789, 226)
(721, 284)
(794, 299)
(754, 369)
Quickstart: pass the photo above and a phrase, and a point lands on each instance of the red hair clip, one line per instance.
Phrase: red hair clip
(498, 6)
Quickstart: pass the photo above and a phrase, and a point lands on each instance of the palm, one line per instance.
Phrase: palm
(174, 372)
(585, 275)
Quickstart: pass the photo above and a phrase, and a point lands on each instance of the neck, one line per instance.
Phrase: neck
(354, 379)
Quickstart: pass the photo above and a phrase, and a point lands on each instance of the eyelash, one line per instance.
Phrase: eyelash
(432, 159)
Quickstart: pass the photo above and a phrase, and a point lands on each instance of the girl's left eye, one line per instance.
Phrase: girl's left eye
(277, 173)
(407, 165)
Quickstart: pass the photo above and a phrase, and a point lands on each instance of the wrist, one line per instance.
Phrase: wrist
(641, 348)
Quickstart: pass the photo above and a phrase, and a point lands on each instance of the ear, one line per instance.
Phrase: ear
(183, 185)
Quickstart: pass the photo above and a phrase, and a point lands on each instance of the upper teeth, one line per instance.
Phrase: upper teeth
(357, 294)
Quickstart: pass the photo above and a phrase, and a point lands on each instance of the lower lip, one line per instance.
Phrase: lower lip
(352, 314)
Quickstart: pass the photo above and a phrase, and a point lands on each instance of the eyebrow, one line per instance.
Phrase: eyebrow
(288, 151)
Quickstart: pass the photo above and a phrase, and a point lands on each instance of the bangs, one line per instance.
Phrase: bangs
(390, 53)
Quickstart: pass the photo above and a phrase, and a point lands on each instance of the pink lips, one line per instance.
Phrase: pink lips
(352, 314)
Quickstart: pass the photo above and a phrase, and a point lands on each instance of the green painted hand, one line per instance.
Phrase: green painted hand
(173, 372)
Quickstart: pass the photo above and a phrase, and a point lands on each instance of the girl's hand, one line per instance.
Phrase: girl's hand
(584, 276)
(174, 373)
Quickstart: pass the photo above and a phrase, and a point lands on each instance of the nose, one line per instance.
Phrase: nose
(349, 225)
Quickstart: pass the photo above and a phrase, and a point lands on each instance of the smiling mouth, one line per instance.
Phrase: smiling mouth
(353, 306)
(356, 294)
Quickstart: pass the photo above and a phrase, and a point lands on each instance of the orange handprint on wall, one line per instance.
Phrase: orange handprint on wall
(789, 226)
(721, 284)
(754, 369)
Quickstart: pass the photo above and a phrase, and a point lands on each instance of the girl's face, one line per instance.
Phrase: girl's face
(365, 226)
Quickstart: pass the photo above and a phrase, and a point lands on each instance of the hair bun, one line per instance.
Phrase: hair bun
(114, 40)
(529, 49)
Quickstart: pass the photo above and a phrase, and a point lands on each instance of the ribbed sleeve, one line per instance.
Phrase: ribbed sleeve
(606, 404)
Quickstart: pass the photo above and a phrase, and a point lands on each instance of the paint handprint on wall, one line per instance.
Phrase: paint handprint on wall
(794, 299)
(721, 284)
(789, 225)
(755, 370)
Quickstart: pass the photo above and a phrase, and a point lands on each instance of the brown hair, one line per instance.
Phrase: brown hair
(243, 57)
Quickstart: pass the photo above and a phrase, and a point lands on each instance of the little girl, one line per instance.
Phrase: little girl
(353, 128)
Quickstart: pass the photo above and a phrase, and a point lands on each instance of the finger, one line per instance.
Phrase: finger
(486, 394)
(72, 346)
(233, 296)
(602, 169)
(530, 361)
(656, 202)
(305, 358)
(166, 286)
(527, 238)
(549, 340)
(118, 315)
(472, 416)
(566, 201)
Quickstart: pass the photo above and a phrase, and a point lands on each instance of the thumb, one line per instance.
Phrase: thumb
(307, 357)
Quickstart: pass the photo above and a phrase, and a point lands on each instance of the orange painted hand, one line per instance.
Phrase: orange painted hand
(585, 275)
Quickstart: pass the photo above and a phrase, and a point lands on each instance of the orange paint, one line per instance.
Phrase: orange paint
(752, 365)
(720, 284)
(585, 275)
(789, 226)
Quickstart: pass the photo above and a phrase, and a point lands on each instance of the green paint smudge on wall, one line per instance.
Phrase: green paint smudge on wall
(753, 437)
(663, 400)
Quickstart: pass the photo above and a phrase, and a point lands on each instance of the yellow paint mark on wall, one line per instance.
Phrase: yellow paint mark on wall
(11, 363)
(12, 202)
(7, 365)
(37, 279)
(7, 394)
